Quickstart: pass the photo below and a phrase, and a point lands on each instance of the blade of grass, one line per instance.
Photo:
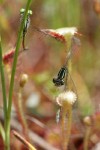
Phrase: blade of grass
(2, 132)
(23, 140)
(13, 75)
(3, 87)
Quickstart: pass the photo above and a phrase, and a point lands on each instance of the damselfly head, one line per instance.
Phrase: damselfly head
(58, 82)
(22, 10)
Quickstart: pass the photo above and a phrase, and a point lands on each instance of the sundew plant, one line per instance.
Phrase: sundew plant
(49, 69)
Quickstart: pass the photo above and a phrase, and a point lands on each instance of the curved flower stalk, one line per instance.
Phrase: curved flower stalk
(88, 123)
(68, 97)
(23, 80)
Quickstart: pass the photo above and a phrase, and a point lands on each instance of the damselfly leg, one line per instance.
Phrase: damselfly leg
(58, 115)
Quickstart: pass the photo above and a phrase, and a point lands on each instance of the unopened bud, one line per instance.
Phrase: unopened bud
(87, 121)
(23, 80)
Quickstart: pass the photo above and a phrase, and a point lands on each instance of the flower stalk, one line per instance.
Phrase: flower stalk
(66, 101)
(20, 109)
(66, 123)
(88, 122)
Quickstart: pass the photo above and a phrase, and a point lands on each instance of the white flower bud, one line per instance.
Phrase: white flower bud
(69, 96)
(87, 120)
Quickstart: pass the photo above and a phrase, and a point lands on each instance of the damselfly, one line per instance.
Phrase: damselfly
(59, 81)
(26, 25)
(64, 78)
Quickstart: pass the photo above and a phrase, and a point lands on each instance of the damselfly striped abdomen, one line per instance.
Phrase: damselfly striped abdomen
(59, 81)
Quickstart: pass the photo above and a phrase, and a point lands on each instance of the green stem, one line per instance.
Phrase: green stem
(22, 115)
(3, 87)
(87, 136)
(66, 124)
(13, 75)
(2, 132)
